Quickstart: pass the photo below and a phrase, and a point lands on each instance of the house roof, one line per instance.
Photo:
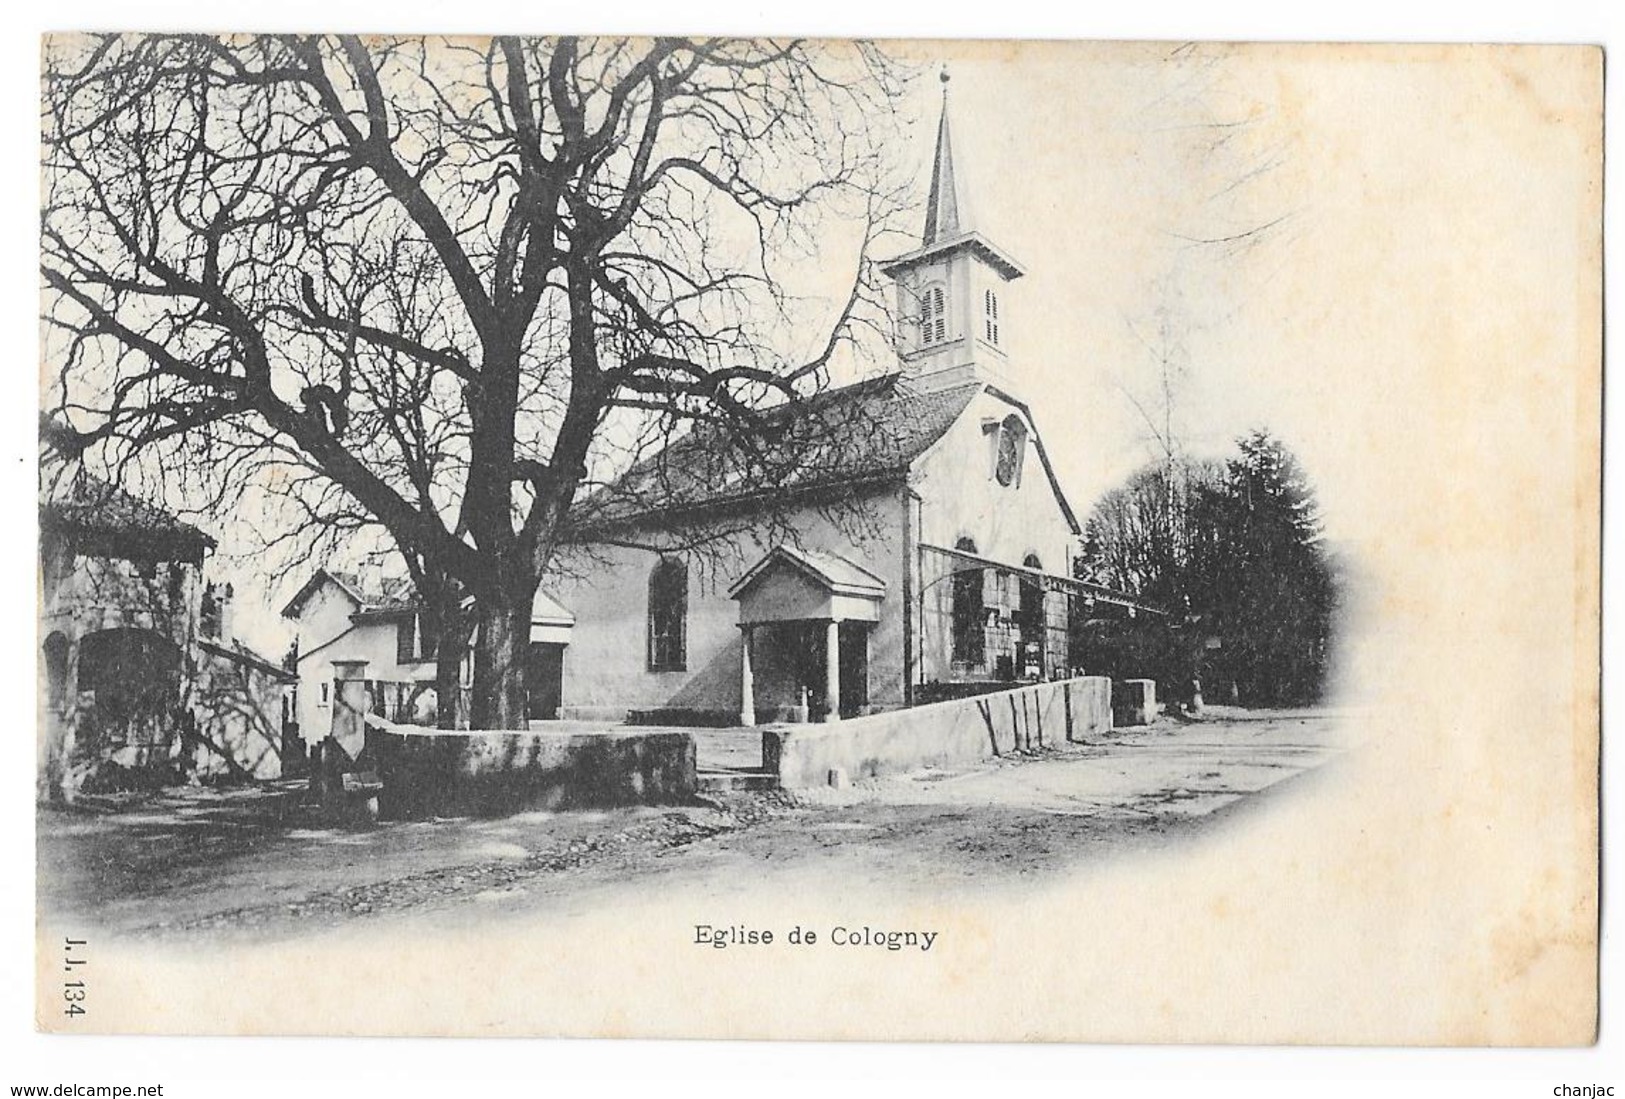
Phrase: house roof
(390, 596)
(871, 429)
(829, 570)
(547, 611)
(372, 595)
(82, 502)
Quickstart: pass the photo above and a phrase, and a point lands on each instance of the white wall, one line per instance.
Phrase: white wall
(605, 666)
(606, 663)
(961, 497)
(327, 634)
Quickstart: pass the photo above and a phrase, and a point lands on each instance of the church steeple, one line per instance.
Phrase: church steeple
(942, 205)
(949, 290)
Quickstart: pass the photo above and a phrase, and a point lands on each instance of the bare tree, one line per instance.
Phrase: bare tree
(425, 287)
(1223, 213)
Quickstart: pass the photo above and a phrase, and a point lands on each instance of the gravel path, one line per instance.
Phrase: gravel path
(227, 865)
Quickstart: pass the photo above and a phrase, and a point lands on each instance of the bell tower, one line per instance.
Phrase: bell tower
(951, 289)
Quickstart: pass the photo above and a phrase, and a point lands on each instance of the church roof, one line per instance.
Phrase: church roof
(240, 653)
(861, 432)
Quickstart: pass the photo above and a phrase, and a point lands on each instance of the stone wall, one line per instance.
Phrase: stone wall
(1134, 702)
(237, 710)
(944, 734)
(86, 600)
(483, 773)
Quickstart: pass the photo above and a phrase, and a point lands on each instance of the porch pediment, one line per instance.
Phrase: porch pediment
(791, 584)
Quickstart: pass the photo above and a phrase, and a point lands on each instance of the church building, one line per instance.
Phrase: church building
(925, 554)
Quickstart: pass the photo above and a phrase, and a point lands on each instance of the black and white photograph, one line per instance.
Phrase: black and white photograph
(828, 538)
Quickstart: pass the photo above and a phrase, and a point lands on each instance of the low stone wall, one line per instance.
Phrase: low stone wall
(1134, 702)
(943, 734)
(491, 773)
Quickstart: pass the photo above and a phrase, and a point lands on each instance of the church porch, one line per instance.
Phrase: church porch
(805, 620)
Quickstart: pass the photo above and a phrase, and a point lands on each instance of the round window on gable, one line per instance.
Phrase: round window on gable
(1012, 449)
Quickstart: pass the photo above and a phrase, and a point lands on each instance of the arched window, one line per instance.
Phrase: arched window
(969, 641)
(990, 307)
(1012, 450)
(933, 316)
(668, 616)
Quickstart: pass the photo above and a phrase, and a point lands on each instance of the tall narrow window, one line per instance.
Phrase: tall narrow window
(934, 316)
(968, 638)
(56, 670)
(1033, 630)
(668, 616)
(990, 306)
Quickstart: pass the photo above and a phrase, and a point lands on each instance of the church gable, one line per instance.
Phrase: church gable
(988, 481)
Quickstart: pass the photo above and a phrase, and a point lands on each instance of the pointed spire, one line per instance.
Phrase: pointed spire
(942, 210)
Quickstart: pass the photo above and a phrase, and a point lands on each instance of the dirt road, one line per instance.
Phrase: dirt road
(209, 863)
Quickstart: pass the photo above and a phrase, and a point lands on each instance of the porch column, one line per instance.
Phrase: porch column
(832, 670)
(747, 679)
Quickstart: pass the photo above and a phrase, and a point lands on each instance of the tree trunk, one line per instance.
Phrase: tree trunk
(500, 646)
(448, 681)
(445, 621)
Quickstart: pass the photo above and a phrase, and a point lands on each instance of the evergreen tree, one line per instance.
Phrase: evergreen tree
(1261, 576)
(1234, 553)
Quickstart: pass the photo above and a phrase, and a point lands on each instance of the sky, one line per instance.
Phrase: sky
(1098, 165)
(1372, 253)
(1420, 322)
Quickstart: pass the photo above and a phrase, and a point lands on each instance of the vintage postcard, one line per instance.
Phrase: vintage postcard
(872, 540)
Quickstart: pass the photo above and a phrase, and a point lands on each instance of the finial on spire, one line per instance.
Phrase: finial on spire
(942, 210)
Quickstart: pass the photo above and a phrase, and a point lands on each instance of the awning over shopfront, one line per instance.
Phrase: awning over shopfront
(1083, 589)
